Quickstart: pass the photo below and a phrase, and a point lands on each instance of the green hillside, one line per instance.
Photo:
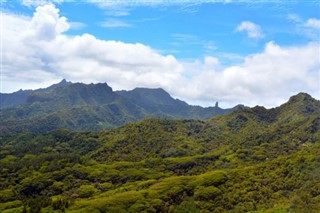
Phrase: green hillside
(251, 160)
(91, 107)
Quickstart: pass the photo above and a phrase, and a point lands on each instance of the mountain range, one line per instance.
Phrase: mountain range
(79, 106)
(254, 160)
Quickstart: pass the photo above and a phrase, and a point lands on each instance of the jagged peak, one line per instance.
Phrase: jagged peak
(302, 96)
(64, 82)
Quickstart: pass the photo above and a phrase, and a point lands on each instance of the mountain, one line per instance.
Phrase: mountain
(159, 102)
(152, 99)
(78, 106)
(20, 97)
(250, 160)
(14, 99)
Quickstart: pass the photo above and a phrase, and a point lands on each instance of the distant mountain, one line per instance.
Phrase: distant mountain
(14, 99)
(161, 104)
(250, 160)
(151, 98)
(20, 97)
(79, 106)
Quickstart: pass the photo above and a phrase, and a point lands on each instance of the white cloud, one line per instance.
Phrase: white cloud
(36, 47)
(46, 23)
(253, 30)
(294, 18)
(211, 61)
(267, 78)
(37, 53)
(308, 28)
(113, 23)
(313, 22)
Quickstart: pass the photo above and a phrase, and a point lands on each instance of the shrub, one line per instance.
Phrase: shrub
(207, 193)
(85, 191)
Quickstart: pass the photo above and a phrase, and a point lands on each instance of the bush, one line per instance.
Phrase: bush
(214, 178)
(85, 191)
(6, 195)
(207, 193)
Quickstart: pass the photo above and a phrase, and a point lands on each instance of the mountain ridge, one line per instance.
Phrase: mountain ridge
(66, 103)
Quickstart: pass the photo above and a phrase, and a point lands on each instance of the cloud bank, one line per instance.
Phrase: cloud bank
(37, 52)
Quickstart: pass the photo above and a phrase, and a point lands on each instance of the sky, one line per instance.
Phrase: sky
(234, 52)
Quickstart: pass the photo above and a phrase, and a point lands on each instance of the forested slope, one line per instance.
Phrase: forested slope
(251, 160)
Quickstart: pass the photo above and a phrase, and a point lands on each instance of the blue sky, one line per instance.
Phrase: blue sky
(204, 50)
(187, 30)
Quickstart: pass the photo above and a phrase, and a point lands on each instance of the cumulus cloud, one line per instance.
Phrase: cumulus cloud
(46, 23)
(253, 30)
(37, 46)
(263, 78)
(37, 53)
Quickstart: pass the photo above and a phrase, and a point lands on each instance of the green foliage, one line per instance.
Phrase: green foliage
(252, 160)
(7, 195)
(60, 204)
(187, 206)
(85, 191)
(213, 178)
(207, 193)
(35, 204)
